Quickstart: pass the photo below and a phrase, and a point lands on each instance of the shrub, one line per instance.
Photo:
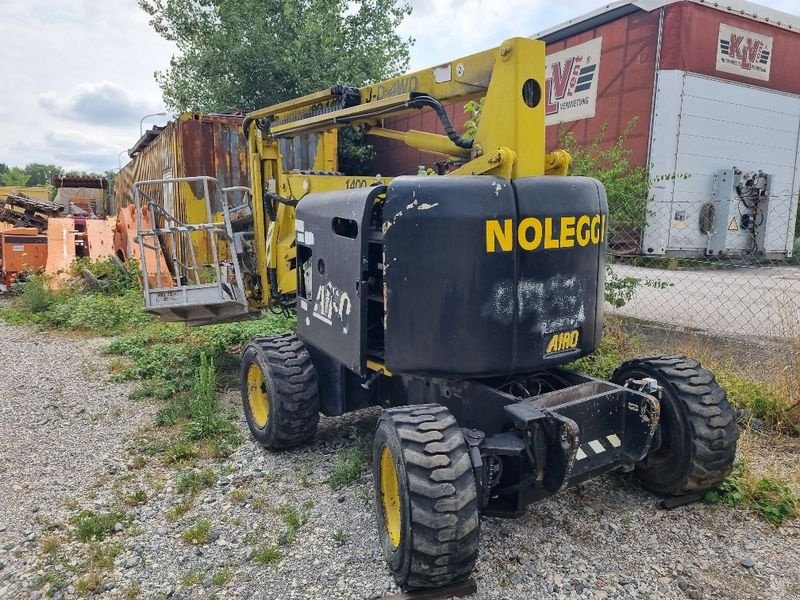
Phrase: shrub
(771, 499)
(627, 186)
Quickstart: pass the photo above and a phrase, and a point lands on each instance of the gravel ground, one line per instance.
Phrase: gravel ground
(71, 441)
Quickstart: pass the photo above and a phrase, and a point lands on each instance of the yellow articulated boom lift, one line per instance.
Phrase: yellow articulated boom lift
(452, 301)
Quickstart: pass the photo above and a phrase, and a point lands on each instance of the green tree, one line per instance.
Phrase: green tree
(245, 54)
(14, 177)
(40, 174)
(627, 186)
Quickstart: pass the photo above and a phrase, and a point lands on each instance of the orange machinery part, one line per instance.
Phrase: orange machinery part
(63, 238)
(61, 235)
(125, 247)
(21, 249)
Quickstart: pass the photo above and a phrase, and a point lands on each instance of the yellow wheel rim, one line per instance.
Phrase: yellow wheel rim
(390, 497)
(257, 396)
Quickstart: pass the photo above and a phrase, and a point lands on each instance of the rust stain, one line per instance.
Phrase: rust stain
(192, 145)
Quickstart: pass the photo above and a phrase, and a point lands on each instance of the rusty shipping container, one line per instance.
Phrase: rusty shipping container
(192, 145)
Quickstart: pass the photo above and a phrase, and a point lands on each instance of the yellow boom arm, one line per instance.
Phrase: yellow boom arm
(509, 141)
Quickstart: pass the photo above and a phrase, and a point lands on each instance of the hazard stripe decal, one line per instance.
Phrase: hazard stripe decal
(598, 446)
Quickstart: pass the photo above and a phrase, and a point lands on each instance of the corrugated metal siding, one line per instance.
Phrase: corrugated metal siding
(627, 70)
(190, 146)
(690, 44)
(193, 145)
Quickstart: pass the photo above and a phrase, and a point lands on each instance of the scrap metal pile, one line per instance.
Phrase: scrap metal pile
(21, 210)
(38, 235)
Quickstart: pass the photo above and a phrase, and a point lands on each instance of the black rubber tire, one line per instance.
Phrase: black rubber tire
(697, 425)
(439, 505)
(291, 385)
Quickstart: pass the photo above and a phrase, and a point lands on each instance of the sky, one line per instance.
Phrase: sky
(78, 75)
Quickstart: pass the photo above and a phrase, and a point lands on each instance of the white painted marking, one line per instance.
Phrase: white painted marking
(301, 237)
(580, 455)
(426, 206)
(303, 304)
(442, 74)
(300, 225)
(597, 446)
(309, 238)
(614, 439)
(323, 319)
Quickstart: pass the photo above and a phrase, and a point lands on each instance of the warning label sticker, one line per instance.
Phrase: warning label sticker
(733, 225)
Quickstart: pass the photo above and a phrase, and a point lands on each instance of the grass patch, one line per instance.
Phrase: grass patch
(616, 347)
(770, 401)
(294, 519)
(237, 496)
(349, 464)
(136, 498)
(221, 577)
(101, 556)
(91, 526)
(193, 482)
(340, 537)
(772, 499)
(114, 309)
(51, 544)
(268, 555)
(89, 583)
(304, 477)
(176, 512)
(197, 534)
(191, 578)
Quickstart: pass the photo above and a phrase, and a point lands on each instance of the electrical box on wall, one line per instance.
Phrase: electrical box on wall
(736, 218)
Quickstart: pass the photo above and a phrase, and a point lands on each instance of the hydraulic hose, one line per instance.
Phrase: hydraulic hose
(423, 100)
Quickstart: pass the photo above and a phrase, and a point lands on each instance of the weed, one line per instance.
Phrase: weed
(51, 544)
(88, 583)
(348, 465)
(117, 365)
(267, 555)
(191, 578)
(177, 511)
(101, 556)
(272, 477)
(294, 520)
(179, 451)
(91, 526)
(769, 403)
(616, 346)
(198, 533)
(304, 477)
(260, 502)
(237, 496)
(221, 577)
(134, 592)
(772, 499)
(193, 482)
(340, 537)
(136, 498)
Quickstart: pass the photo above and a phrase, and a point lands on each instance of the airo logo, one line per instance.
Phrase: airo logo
(563, 341)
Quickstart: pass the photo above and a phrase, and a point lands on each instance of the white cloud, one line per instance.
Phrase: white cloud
(102, 102)
(79, 150)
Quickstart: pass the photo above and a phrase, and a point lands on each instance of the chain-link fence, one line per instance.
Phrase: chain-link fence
(721, 262)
